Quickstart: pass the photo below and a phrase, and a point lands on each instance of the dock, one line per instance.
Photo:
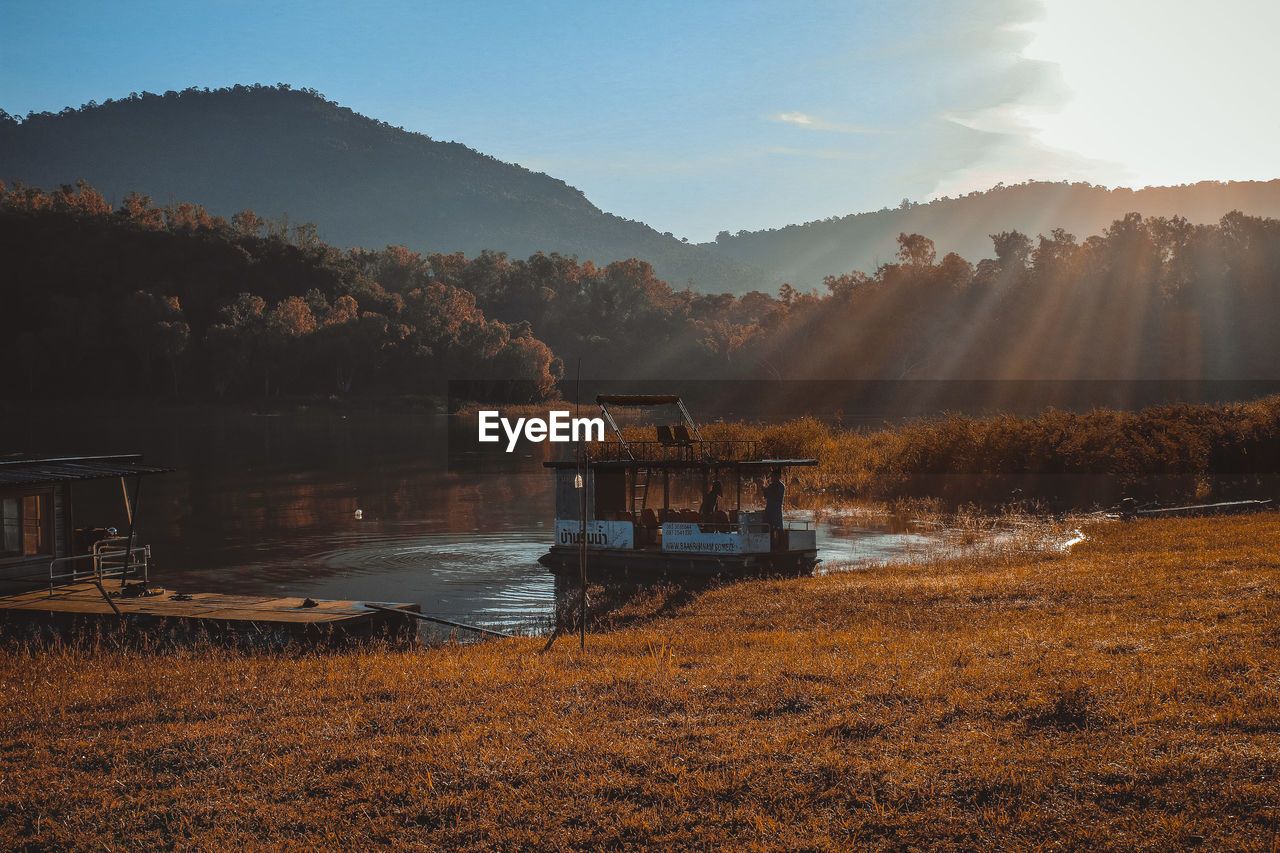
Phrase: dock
(246, 615)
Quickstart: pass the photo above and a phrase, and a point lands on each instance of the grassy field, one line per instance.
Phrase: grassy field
(1125, 696)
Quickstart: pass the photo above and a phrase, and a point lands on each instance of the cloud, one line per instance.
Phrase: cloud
(813, 123)
(796, 118)
(997, 146)
(823, 155)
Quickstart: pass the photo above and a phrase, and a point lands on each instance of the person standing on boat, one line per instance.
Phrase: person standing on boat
(710, 503)
(773, 493)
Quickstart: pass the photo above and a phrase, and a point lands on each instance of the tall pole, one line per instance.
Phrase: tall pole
(131, 508)
(582, 529)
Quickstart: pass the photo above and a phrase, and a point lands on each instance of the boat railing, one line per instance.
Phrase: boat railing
(726, 450)
(106, 561)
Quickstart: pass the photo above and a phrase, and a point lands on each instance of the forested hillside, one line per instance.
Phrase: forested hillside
(171, 300)
(290, 153)
(175, 302)
(280, 151)
(803, 255)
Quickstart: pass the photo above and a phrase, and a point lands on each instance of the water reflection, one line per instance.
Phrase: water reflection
(853, 540)
(488, 579)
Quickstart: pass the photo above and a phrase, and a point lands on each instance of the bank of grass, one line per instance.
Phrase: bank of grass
(1124, 696)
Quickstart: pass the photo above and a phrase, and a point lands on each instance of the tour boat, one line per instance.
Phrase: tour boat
(635, 502)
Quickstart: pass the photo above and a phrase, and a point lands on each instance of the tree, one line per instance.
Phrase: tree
(1013, 248)
(155, 330)
(1054, 256)
(842, 287)
(138, 209)
(916, 250)
(233, 342)
(246, 223)
(287, 324)
(954, 271)
(80, 200)
(527, 369)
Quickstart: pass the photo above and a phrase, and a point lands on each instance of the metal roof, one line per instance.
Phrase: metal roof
(639, 400)
(751, 464)
(33, 471)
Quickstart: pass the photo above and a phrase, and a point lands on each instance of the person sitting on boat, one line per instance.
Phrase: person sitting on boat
(773, 493)
(710, 502)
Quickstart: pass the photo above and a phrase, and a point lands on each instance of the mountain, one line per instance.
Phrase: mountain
(803, 254)
(277, 151)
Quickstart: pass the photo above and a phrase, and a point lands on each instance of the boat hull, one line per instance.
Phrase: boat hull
(564, 560)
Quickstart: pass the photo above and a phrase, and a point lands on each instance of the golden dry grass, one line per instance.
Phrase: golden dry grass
(1125, 696)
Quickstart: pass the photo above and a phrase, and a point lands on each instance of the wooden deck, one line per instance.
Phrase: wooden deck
(211, 610)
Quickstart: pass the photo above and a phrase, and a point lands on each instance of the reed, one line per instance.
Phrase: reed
(1177, 452)
(1059, 459)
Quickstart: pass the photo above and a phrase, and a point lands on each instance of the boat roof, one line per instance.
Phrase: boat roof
(748, 464)
(638, 400)
(29, 471)
(674, 450)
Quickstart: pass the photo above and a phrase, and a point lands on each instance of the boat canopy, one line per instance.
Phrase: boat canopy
(745, 464)
(678, 446)
(29, 471)
(638, 400)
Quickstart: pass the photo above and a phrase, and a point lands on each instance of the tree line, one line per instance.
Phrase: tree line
(808, 252)
(150, 299)
(169, 300)
(1156, 298)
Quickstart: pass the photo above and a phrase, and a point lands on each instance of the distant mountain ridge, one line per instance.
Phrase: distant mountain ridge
(277, 150)
(803, 254)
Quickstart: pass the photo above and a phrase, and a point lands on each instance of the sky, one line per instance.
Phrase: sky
(697, 117)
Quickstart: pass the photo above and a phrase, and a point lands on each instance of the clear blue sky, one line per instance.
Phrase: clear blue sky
(696, 117)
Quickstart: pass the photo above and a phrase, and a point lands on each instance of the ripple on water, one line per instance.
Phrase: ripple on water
(493, 578)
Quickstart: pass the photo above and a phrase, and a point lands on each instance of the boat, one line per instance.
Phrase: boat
(1129, 509)
(40, 542)
(55, 575)
(630, 502)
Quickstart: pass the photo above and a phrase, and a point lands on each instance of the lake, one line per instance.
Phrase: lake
(267, 504)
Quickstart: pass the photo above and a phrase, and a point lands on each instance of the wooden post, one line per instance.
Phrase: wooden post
(132, 508)
(585, 468)
(582, 562)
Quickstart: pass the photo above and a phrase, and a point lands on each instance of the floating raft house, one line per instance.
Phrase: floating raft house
(214, 612)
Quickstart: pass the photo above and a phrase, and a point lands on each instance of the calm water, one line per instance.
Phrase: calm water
(267, 505)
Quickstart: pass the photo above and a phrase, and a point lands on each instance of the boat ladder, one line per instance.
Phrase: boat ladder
(639, 490)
